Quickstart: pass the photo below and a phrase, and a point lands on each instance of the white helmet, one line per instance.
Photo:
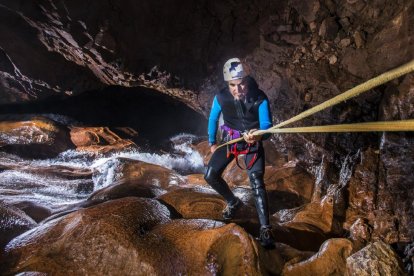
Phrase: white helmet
(233, 70)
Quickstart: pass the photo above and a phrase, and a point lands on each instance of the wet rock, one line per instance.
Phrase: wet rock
(394, 212)
(361, 187)
(201, 203)
(301, 236)
(34, 210)
(330, 260)
(195, 180)
(85, 242)
(125, 188)
(127, 170)
(290, 178)
(377, 258)
(360, 233)
(316, 214)
(32, 136)
(144, 239)
(220, 249)
(13, 162)
(204, 149)
(292, 255)
(146, 173)
(13, 222)
(99, 140)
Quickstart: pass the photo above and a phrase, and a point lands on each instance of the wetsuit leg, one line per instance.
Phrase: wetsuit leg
(215, 168)
(256, 173)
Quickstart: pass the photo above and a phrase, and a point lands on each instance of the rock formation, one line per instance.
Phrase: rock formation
(337, 200)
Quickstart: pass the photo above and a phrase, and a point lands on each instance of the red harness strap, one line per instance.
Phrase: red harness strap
(233, 150)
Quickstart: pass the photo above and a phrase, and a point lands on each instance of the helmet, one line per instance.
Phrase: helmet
(233, 70)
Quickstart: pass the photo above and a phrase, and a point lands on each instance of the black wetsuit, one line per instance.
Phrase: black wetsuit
(242, 116)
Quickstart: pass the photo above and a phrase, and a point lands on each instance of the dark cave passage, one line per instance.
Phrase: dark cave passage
(155, 116)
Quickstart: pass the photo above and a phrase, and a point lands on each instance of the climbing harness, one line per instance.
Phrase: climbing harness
(246, 149)
(239, 149)
(405, 125)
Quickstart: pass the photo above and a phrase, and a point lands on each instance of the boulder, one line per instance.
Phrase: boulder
(13, 222)
(99, 140)
(195, 180)
(200, 202)
(330, 260)
(146, 173)
(212, 248)
(134, 236)
(34, 210)
(109, 238)
(377, 258)
(33, 136)
(195, 202)
(317, 214)
(125, 188)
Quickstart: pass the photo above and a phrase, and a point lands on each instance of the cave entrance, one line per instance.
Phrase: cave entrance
(154, 116)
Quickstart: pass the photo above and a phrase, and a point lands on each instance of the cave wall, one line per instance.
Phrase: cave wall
(90, 44)
(301, 53)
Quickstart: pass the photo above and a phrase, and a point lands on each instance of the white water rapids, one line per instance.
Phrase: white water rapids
(27, 180)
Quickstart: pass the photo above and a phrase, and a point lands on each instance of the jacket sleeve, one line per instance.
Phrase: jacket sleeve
(265, 117)
(212, 121)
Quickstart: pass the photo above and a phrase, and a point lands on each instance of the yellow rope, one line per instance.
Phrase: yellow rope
(403, 125)
(353, 92)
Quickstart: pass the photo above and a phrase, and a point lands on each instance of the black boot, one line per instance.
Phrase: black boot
(260, 197)
(230, 211)
(266, 238)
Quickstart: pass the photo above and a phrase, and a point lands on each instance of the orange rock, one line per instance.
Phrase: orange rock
(200, 202)
(98, 140)
(133, 236)
(330, 260)
(377, 258)
(125, 188)
(112, 238)
(33, 136)
(195, 202)
(204, 149)
(290, 178)
(212, 248)
(317, 214)
(146, 173)
(196, 179)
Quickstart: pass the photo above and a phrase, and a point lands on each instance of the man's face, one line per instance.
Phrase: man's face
(238, 88)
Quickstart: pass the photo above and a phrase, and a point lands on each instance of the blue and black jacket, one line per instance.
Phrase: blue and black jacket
(253, 112)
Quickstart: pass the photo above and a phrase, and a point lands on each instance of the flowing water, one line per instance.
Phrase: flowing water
(73, 176)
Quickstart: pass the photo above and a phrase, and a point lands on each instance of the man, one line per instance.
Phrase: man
(245, 108)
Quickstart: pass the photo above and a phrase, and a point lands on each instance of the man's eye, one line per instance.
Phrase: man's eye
(232, 84)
